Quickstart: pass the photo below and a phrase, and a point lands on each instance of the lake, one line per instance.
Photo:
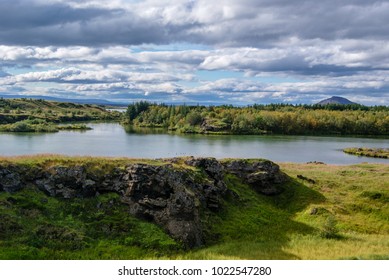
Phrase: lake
(111, 139)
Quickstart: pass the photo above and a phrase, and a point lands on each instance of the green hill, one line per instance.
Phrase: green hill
(38, 115)
(13, 110)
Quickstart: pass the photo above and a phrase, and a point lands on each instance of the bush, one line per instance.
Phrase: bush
(22, 127)
(194, 118)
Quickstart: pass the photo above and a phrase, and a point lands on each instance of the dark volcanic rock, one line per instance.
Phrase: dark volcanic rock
(67, 182)
(10, 180)
(170, 194)
(215, 187)
(168, 197)
(263, 175)
(210, 165)
(150, 180)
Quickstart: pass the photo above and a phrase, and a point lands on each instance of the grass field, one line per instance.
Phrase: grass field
(325, 212)
(334, 212)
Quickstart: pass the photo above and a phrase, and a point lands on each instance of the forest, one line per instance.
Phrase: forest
(288, 119)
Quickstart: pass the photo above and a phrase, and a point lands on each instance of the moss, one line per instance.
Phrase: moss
(36, 226)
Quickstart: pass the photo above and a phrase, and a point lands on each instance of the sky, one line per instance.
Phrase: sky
(199, 51)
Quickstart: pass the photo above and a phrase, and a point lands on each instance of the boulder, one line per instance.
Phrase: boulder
(210, 165)
(263, 175)
(167, 197)
(10, 179)
(66, 181)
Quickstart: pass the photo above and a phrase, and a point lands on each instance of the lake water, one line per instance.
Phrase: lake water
(111, 139)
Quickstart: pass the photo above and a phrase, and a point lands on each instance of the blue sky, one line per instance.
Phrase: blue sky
(211, 52)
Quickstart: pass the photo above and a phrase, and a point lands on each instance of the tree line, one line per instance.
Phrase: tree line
(329, 119)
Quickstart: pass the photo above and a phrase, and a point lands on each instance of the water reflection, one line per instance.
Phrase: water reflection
(144, 130)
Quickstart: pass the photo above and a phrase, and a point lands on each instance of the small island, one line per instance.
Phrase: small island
(368, 152)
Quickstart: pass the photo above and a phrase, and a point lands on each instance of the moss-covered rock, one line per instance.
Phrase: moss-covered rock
(170, 195)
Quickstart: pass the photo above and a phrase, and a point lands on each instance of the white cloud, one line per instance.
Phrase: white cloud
(94, 46)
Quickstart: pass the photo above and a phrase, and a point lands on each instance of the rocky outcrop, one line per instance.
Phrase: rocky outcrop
(263, 175)
(67, 182)
(167, 197)
(10, 180)
(211, 166)
(172, 193)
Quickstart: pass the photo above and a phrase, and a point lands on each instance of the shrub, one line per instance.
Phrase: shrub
(22, 127)
(194, 118)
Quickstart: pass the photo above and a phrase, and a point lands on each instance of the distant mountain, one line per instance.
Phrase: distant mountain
(336, 100)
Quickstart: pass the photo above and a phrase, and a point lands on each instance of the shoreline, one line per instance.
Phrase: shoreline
(49, 156)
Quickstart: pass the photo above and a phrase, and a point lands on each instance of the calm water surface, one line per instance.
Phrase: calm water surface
(110, 139)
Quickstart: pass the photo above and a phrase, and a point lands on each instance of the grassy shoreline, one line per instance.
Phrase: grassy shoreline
(262, 119)
(368, 152)
(40, 126)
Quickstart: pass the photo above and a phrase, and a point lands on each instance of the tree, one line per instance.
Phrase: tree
(136, 109)
(194, 118)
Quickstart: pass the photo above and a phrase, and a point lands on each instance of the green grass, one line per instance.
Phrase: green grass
(39, 110)
(37, 115)
(98, 163)
(256, 226)
(35, 125)
(297, 224)
(368, 152)
(35, 226)
(38, 125)
(341, 213)
(356, 197)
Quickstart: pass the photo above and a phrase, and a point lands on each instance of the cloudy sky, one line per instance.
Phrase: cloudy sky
(210, 52)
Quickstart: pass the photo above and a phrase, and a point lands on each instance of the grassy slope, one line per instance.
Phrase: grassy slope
(36, 226)
(255, 227)
(40, 227)
(284, 227)
(358, 198)
(14, 110)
